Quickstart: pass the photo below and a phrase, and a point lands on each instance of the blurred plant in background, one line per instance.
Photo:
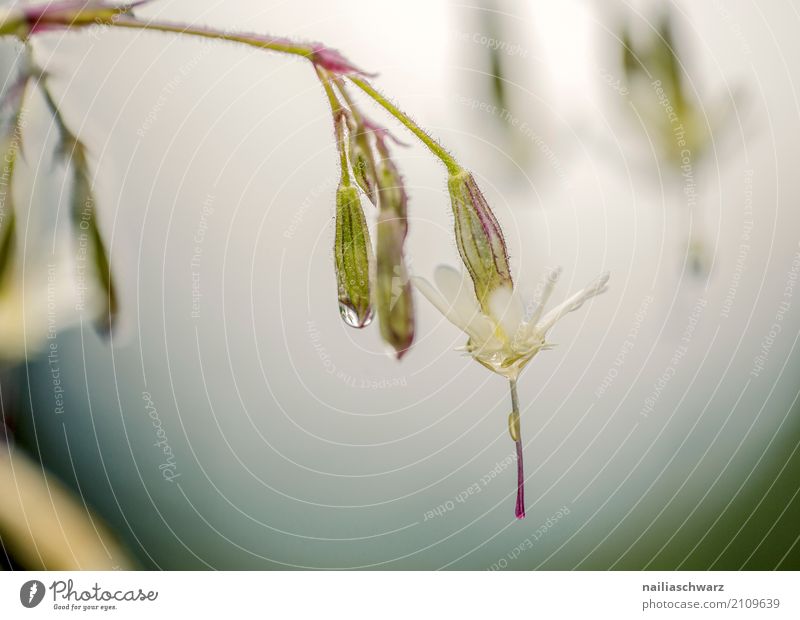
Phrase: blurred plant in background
(500, 57)
(43, 525)
(682, 127)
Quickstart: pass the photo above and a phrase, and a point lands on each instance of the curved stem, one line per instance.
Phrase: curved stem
(515, 428)
(436, 148)
(317, 54)
(338, 113)
(276, 44)
(348, 100)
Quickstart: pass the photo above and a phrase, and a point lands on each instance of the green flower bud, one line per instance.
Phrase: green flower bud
(479, 237)
(393, 286)
(354, 260)
(362, 161)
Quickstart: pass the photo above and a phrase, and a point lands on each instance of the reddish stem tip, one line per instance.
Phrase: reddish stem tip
(519, 509)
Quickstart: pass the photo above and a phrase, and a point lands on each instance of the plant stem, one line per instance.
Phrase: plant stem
(338, 113)
(436, 148)
(348, 100)
(514, 427)
(276, 44)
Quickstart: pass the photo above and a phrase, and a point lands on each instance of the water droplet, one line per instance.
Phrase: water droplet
(513, 426)
(351, 318)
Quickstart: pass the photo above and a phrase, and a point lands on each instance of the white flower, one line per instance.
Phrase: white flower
(504, 338)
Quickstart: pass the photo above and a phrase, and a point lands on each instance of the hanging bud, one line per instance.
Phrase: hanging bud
(354, 260)
(393, 286)
(479, 238)
(89, 239)
(362, 161)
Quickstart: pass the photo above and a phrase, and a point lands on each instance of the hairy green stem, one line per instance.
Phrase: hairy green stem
(306, 51)
(436, 148)
(276, 44)
(281, 45)
(348, 100)
(338, 113)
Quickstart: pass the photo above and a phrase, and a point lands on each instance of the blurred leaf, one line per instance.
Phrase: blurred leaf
(668, 64)
(393, 286)
(630, 63)
(7, 244)
(84, 216)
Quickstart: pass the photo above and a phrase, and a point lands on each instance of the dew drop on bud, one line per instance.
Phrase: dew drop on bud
(350, 316)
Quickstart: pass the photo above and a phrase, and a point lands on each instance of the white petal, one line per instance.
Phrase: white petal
(477, 326)
(544, 290)
(458, 288)
(546, 286)
(440, 303)
(506, 309)
(573, 303)
(480, 329)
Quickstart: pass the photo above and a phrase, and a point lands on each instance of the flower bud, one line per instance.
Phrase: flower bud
(362, 161)
(478, 236)
(353, 258)
(393, 286)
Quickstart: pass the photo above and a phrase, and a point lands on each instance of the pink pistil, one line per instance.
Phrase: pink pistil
(519, 509)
